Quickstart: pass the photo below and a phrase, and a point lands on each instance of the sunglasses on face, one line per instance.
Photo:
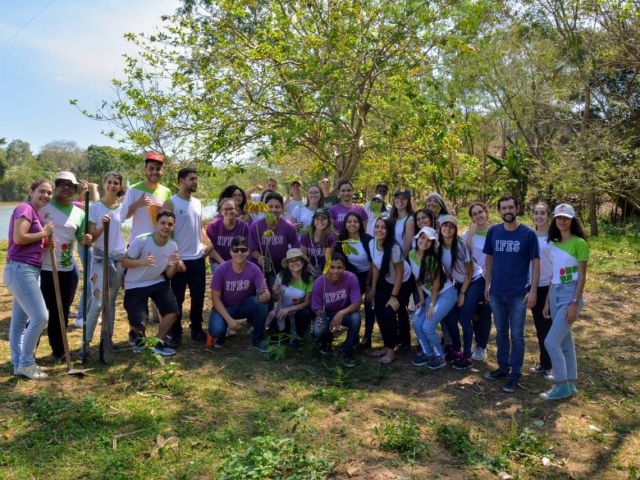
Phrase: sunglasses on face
(65, 185)
(239, 249)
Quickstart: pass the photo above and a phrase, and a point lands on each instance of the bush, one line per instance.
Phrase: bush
(400, 433)
(274, 458)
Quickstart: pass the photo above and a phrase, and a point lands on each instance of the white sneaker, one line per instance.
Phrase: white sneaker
(548, 375)
(479, 354)
(31, 372)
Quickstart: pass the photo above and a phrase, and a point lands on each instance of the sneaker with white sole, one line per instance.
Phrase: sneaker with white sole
(479, 354)
(32, 372)
(161, 349)
(557, 392)
(574, 389)
(548, 375)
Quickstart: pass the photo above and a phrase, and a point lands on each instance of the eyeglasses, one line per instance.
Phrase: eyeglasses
(295, 260)
(239, 249)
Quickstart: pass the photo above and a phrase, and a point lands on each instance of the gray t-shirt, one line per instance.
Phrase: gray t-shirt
(141, 247)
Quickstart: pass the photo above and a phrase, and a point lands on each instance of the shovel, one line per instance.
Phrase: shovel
(106, 332)
(63, 327)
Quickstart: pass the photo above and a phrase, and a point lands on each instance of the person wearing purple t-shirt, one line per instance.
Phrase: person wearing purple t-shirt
(269, 250)
(21, 277)
(238, 290)
(346, 205)
(317, 240)
(335, 299)
(221, 231)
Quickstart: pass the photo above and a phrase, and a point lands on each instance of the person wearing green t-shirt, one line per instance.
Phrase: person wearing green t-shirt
(569, 257)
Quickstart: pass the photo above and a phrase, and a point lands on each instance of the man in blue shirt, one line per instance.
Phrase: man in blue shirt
(510, 248)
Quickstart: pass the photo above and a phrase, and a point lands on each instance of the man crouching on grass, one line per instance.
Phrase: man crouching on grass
(151, 259)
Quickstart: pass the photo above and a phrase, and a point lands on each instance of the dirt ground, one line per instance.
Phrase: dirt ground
(594, 435)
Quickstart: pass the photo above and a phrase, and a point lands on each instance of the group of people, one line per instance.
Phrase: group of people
(304, 269)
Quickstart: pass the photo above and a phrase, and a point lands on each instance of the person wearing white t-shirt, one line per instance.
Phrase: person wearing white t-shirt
(150, 260)
(294, 200)
(569, 257)
(189, 234)
(391, 287)
(106, 210)
(541, 214)
(475, 237)
(464, 272)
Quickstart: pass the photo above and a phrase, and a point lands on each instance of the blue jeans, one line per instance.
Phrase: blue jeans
(116, 274)
(325, 337)
(76, 280)
(425, 328)
(29, 312)
(509, 314)
(464, 315)
(255, 312)
(559, 341)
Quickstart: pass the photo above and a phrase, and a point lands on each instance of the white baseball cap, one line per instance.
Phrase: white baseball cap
(564, 210)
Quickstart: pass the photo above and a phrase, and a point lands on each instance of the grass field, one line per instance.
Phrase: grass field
(237, 414)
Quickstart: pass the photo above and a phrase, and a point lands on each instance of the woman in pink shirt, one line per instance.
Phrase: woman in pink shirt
(29, 314)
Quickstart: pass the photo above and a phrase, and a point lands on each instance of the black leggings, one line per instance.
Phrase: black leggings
(393, 331)
(542, 326)
(369, 314)
(48, 293)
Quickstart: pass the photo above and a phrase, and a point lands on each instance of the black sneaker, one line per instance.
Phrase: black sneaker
(404, 347)
(510, 386)
(198, 335)
(162, 349)
(133, 337)
(462, 364)
(261, 348)
(139, 345)
(420, 360)
(365, 344)
(495, 374)
(173, 342)
(347, 361)
(452, 356)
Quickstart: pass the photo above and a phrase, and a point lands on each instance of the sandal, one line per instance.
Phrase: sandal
(388, 358)
(377, 353)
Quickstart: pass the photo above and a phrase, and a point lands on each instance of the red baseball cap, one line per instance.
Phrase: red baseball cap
(154, 156)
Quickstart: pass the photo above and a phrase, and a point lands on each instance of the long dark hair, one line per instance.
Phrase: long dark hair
(325, 234)
(454, 247)
(576, 230)
(428, 213)
(429, 258)
(228, 193)
(387, 245)
(305, 275)
(344, 235)
(394, 209)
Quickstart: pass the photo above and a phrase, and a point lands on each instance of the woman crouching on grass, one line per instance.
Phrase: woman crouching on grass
(293, 291)
(569, 257)
(436, 298)
(29, 314)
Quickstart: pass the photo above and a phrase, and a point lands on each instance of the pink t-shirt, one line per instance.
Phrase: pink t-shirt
(237, 287)
(30, 254)
(336, 296)
(221, 237)
(339, 211)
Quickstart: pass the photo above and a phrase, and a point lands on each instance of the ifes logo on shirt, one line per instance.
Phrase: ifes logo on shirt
(566, 274)
(507, 246)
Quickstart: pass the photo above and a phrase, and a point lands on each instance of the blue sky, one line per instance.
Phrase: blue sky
(72, 49)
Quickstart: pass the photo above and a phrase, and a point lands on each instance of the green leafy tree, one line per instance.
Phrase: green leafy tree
(18, 153)
(317, 80)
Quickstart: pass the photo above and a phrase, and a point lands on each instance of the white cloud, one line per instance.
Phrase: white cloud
(85, 42)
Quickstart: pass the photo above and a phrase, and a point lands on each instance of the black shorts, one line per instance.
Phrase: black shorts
(135, 302)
